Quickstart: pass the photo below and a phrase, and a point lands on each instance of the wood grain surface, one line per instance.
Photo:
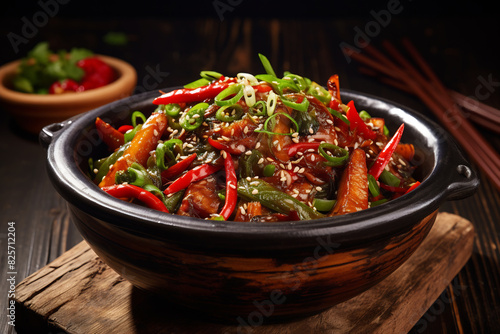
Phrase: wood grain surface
(79, 294)
(170, 52)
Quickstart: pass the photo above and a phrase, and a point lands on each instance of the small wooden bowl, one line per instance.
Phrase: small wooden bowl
(34, 111)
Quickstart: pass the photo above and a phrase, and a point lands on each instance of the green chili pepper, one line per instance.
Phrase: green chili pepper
(333, 161)
(390, 179)
(324, 205)
(297, 79)
(173, 201)
(172, 109)
(136, 175)
(248, 164)
(274, 199)
(376, 203)
(266, 123)
(236, 90)
(167, 149)
(229, 113)
(339, 115)
(260, 108)
(104, 168)
(302, 106)
(189, 120)
(135, 116)
(364, 115)
(210, 75)
(319, 92)
(129, 135)
(269, 170)
(197, 83)
(373, 186)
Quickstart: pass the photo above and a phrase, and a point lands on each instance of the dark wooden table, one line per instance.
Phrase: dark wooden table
(169, 52)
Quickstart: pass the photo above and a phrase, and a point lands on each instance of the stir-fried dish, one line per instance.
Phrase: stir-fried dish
(254, 148)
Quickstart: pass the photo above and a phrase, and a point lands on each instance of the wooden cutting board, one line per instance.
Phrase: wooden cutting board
(79, 294)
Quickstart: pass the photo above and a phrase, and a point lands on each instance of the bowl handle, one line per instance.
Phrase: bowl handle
(464, 180)
(48, 132)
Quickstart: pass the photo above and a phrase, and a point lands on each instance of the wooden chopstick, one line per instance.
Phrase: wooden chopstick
(433, 93)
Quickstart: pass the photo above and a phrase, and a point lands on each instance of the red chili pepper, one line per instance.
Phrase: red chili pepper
(97, 73)
(220, 146)
(334, 90)
(193, 175)
(178, 168)
(263, 88)
(63, 86)
(356, 122)
(393, 189)
(131, 191)
(385, 155)
(124, 128)
(415, 185)
(298, 147)
(231, 184)
(112, 137)
(187, 95)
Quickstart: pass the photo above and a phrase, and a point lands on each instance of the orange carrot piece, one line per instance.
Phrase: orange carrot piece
(406, 150)
(144, 141)
(352, 192)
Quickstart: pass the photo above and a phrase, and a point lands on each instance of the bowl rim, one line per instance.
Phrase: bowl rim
(382, 221)
(125, 73)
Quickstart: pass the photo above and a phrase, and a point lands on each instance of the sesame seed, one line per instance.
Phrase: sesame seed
(224, 154)
(329, 121)
(319, 188)
(255, 191)
(225, 138)
(313, 158)
(248, 152)
(302, 170)
(249, 178)
(155, 132)
(261, 160)
(96, 170)
(232, 186)
(242, 209)
(296, 169)
(196, 116)
(257, 145)
(296, 140)
(311, 131)
(295, 134)
(245, 130)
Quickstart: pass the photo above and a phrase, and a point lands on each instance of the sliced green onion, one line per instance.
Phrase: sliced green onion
(265, 130)
(269, 170)
(319, 92)
(249, 95)
(135, 116)
(324, 205)
(249, 77)
(260, 112)
(236, 90)
(302, 106)
(210, 75)
(190, 121)
(333, 161)
(167, 149)
(373, 186)
(339, 115)
(229, 113)
(272, 100)
(390, 179)
(172, 109)
(376, 203)
(197, 83)
(364, 115)
(266, 64)
(297, 79)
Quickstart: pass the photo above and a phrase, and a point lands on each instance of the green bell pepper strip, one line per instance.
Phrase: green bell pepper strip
(104, 168)
(385, 154)
(389, 179)
(136, 175)
(236, 114)
(373, 186)
(274, 199)
(193, 175)
(131, 191)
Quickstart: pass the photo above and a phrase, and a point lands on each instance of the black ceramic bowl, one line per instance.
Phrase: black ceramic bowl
(230, 269)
